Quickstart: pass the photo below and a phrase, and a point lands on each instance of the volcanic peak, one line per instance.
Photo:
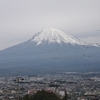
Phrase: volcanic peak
(53, 35)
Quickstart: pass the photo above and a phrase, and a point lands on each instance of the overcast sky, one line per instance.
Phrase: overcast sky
(20, 19)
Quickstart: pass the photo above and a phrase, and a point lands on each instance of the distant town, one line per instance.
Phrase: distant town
(78, 86)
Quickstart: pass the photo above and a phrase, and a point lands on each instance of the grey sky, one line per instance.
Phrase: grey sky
(20, 19)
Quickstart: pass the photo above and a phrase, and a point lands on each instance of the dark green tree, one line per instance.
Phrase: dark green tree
(42, 95)
(26, 97)
(66, 96)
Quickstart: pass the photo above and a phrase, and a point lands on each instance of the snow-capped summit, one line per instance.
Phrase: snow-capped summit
(53, 35)
(50, 51)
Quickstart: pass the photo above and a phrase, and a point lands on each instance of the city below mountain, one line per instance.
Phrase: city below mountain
(50, 51)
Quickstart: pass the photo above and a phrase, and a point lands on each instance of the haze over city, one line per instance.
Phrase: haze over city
(19, 20)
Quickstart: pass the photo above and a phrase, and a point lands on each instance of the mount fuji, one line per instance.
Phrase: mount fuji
(55, 36)
(49, 51)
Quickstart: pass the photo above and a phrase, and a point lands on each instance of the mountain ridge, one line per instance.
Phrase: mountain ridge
(50, 57)
(53, 35)
(35, 39)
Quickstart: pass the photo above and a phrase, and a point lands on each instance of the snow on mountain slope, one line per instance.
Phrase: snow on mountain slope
(32, 57)
(53, 35)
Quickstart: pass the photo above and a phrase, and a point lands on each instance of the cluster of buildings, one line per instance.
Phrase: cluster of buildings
(77, 86)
